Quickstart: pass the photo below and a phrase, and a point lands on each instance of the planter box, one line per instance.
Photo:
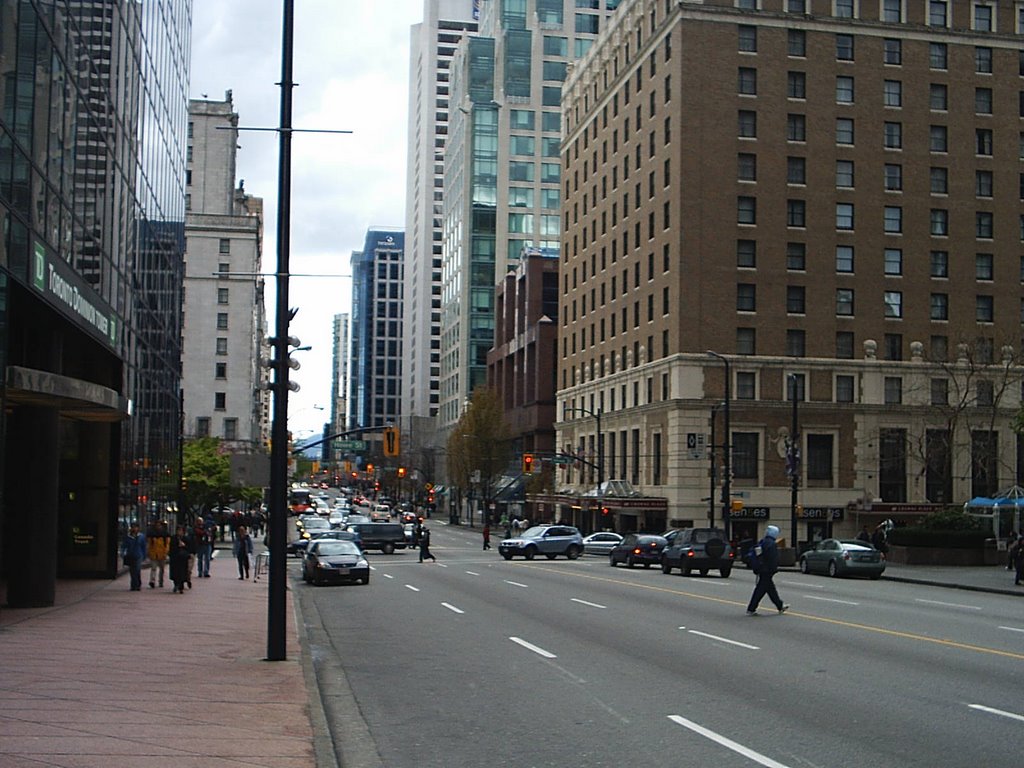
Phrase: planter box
(942, 556)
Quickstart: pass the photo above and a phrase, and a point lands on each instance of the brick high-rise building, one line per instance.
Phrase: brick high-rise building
(821, 200)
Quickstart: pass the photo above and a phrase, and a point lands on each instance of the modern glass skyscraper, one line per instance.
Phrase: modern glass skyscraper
(93, 105)
(502, 172)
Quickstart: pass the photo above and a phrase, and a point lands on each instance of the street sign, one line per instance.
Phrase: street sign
(697, 444)
(350, 445)
(561, 460)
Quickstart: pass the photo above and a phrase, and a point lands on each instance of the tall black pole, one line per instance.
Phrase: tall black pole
(276, 614)
(714, 473)
(727, 448)
(794, 464)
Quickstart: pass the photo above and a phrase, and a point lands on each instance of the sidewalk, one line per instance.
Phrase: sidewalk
(109, 678)
(976, 578)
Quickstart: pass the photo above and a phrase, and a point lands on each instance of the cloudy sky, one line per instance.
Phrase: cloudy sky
(351, 65)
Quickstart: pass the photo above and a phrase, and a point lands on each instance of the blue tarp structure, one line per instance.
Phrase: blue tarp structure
(1004, 509)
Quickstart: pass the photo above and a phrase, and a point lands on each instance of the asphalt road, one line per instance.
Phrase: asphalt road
(473, 661)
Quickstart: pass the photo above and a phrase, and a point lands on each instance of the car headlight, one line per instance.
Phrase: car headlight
(361, 564)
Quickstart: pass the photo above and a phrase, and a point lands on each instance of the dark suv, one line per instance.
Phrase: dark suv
(699, 549)
(387, 537)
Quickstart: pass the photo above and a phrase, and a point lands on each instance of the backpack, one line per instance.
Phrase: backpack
(751, 558)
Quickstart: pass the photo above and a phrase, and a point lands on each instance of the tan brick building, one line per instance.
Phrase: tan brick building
(827, 195)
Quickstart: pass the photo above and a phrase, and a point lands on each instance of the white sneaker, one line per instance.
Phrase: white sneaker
(752, 613)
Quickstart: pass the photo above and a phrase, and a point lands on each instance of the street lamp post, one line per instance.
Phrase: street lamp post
(727, 446)
(714, 466)
(793, 459)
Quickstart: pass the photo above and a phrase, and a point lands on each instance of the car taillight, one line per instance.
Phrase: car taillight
(637, 551)
(846, 555)
(690, 553)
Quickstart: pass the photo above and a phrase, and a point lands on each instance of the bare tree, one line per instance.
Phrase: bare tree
(480, 446)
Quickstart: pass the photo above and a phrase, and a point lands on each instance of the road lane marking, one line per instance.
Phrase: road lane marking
(440, 565)
(452, 608)
(410, 586)
(1001, 713)
(388, 576)
(723, 640)
(801, 584)
(718, 738)
(809, 617)
(587, 602)
(829, 599)
(948, 605)
(531, 647)
(472, 573)
(1012, 629)
(516, 584)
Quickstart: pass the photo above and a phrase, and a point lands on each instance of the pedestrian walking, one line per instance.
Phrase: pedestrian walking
(133, 552)
(765, 562)
(487, 536)
(158, 546)
(425, 545)
(180, 552)
(1018, 562)
(242, 549)
(204, 537)
(1013, 545)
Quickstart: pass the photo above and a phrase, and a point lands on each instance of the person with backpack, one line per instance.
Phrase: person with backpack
(764, 561)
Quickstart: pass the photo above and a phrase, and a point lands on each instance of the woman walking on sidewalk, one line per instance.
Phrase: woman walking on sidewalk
(242, 549)
(181, 550)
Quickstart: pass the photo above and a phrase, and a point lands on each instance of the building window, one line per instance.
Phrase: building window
(844, 302)
(796, 257)
(893, 219)
(844, 9)
(844, 174)
(796, 302)
(844, 258)
(231, 429)
(984, 393)
(796, 213)
(746, 81)
(222, 345)
(892, 11)
(819, 460)
(746, 385)
(222, 295)
(747, 124)
(893, 259)
(844, 345)
(220, 370)
(938, 13)
(892, 465)
(796, 85)
(983, 18)
(844, 389)
(893, 390)
(939, 304)
(203, 426)
(745, 455)
(844, 130)
(796, 343)
(983, 266)
(984, 309)
(220, 401)
(796, 170)
(224, 245)
(983, 141)
(844, 90)
(747, 38)
(844, 216)
(938, 180)
(938, 97)
(892, 51)
(893, 346)
(892, 93)
(983, 101)
(796, 127)
(939, 391)
(222, 321)
(893, 177)
(746, 167)
(796, 43)
(983, 183)
(940, 263)
(746, 210)
(893, 303)
(983, 225)
(746, 297)
(746, 253)
(893, 135)
(939, 218)
(746, 341)
(938, 56)
(938, 138)
(844, 47)
(983, 60)
(938, 349)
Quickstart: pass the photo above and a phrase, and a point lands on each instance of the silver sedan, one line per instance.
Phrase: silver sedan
(843, 557)
(600, 543)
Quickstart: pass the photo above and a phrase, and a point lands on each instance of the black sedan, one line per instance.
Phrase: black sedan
(300, 545)
(638, 549)
(333, 561)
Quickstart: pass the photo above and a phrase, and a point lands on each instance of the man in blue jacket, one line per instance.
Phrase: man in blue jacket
(765, 563)
(133, 551)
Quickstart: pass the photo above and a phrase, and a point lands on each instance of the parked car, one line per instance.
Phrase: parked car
(637, 549)
(335, 561)
(301, 546)
(548, 540)
(387, 537)
(699, 549)
(843, 557)
(600, 543)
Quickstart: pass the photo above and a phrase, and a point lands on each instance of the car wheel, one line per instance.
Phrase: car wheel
(647, 565)
(507, 556)
(876, 576)
(388, 549)
(573, 552)
(611, 560)
(703, 571)
(531, 552)
(686, 571)
(804, 567)
(365, 580)
(630, 562)
(665, 567)
(833, 569)
(550, 555)
(725, 572)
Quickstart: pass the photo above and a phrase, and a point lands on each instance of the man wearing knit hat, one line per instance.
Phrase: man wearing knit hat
(765, 564)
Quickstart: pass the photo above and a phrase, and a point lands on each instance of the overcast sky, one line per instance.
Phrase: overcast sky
(351, 66)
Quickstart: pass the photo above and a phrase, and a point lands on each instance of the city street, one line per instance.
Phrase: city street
(476, 661)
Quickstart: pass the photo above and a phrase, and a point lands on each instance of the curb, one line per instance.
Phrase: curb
(949, 585)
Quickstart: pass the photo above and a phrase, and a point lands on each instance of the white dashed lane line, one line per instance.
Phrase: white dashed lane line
(587, 602)
(1012, 629)
(948, 605)
(516, 584)
(829, 599)
(999, 712)
(531, 647)
(720, 639)
(735, 746)
(410, 586)
(452, 608)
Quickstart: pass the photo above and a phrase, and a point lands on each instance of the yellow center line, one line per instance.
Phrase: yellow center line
(809, 617)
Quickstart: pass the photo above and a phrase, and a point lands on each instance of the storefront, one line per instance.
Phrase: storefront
(591, 513)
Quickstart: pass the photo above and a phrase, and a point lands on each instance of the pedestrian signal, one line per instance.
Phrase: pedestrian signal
(527, 463)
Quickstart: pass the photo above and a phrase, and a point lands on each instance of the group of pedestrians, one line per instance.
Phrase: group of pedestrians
(180, 554)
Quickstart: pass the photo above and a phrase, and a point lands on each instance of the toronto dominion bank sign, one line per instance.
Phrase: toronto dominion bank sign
(63, 287)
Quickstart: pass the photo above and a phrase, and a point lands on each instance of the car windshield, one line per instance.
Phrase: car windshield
(534, 533)
(337, 548)
(318, 523)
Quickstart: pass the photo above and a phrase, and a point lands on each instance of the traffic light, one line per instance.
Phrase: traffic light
(391, 442)
(604, 511)
(527, 463)
(736, 506)
(401, 472)
(369, 468)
